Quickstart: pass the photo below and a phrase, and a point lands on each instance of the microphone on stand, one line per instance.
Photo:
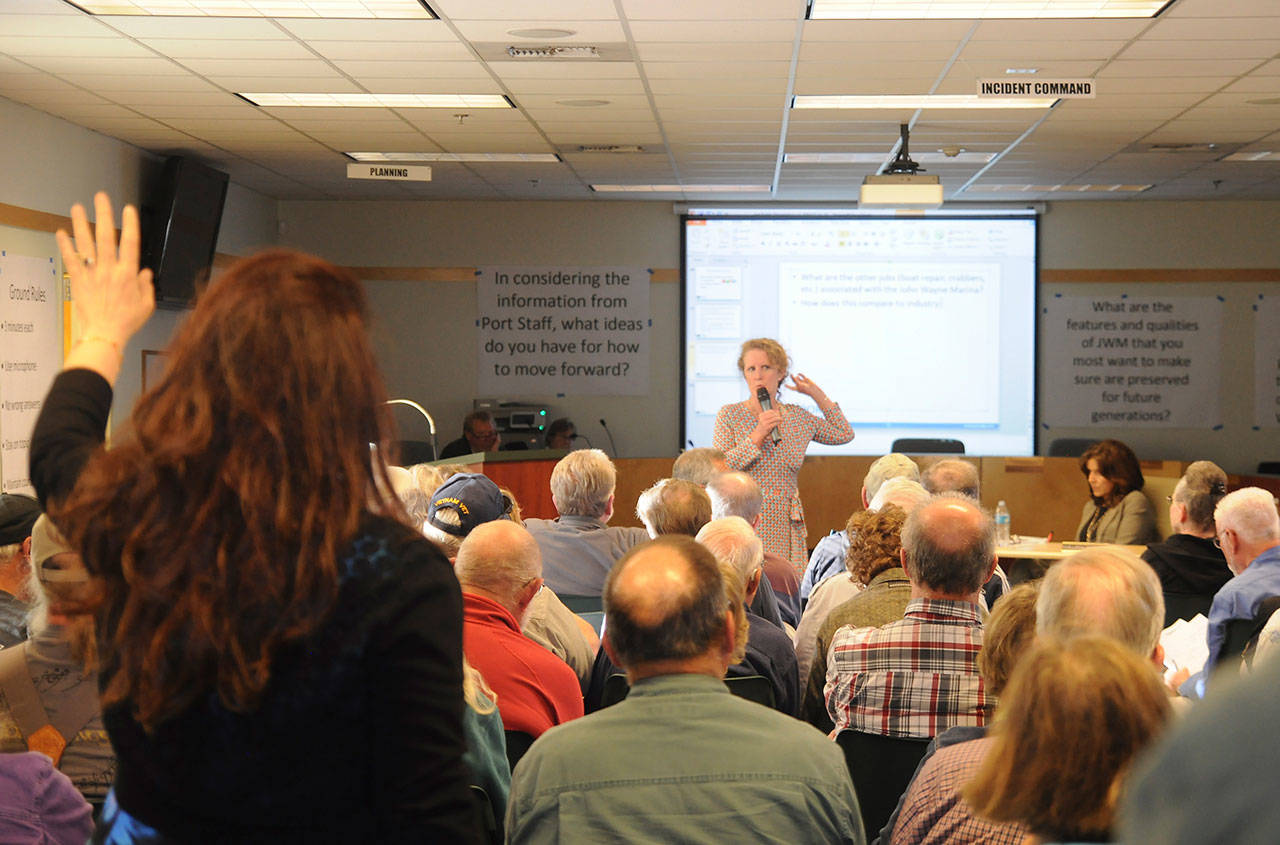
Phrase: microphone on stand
(583, 437)
(762, 396)
(612, 445)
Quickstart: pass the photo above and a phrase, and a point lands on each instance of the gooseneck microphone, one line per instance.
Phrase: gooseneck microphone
(612, 445)
(762, 396)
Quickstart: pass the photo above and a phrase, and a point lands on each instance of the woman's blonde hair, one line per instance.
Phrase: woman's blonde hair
(475, 691)
(772, 349)
(1072, 720)
(1009, 632)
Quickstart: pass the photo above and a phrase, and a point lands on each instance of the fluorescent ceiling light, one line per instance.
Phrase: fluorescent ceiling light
(386, 101)
(879, 158)
(977, 9)
(1049, 189)
(681, 189)
(1259, 155)
(915, 101)
(465, 158)
(384, 9)
(912, 190)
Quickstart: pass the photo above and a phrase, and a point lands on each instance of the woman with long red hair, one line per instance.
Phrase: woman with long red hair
(280, 654)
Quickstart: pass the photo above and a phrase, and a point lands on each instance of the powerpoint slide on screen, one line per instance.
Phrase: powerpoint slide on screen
(920, 327)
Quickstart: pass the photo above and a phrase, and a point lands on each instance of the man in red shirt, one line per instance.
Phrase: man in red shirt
(500, 569)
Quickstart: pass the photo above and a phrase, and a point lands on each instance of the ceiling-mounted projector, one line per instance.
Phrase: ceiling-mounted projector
(902, 184)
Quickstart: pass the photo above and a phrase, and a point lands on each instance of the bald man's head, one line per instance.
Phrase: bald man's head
(664, 601)
(499, 557)
(949, 545)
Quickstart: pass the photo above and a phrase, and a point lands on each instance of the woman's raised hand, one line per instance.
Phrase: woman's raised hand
(113, 298)
(801, 383)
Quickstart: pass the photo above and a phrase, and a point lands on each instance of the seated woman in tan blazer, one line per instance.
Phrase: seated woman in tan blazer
(1117, 511)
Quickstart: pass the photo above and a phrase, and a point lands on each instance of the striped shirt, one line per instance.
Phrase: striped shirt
(911, 678)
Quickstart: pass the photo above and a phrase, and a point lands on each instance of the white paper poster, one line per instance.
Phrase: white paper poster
(30, 356)
(1266, 364)
(1132, 361)
(563, 331)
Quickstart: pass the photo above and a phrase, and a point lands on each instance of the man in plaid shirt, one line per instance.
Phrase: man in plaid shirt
(916, 677)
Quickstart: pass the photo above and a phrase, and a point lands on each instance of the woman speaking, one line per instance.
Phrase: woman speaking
(768, 440)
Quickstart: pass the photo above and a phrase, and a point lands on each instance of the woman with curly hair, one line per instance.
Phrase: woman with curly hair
(281, 656)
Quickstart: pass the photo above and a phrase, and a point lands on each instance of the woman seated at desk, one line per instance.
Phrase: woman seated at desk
(1117, 511)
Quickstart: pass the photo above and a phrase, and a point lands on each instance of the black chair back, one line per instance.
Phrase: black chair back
(615, 689)
(1184, 606)
(753, 688)
(518, 743)
(582, 604)
(1242, 634)
(881, 768)
(486, 821)
(927, 446)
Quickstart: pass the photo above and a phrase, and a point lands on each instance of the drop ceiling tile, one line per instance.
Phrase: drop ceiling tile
(108, 66)
(673, 52)
(885, 30)
(242, 50)
(334, 84)
(547, 101)
(722, 87)
(564, 70)
(843, 77)
(872, 51)
(57, 26)
(1029, 53)
(279, 68)
(320, 30)
(411, 70)
(728, 102)
(1202, 49)
(1160, 68)
(147, 100)
(29, 46)
(574, 117)
(712, 30)
(1117, 29)
(147, 26)
(1213, 9)
(32, 82)
(702, 70)
(1172, 85)
(364, 51)
(1194, 29)
(181, 81)
(600, 135)
(194, 111)
(584, 31)
(566, 88)
(500, 10)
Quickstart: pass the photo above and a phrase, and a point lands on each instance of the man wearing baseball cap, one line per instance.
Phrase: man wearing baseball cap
(18, 514)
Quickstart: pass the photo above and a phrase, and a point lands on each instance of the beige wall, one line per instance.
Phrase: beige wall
(427, 340)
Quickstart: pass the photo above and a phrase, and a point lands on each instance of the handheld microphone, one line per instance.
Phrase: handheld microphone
(762, 396)
(612, 445)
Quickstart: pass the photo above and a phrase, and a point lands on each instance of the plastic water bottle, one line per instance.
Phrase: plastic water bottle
(1003, 537)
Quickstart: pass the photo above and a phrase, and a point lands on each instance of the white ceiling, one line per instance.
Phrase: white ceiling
(702, 85)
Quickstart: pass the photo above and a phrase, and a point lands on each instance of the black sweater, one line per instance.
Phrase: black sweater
(359, 734)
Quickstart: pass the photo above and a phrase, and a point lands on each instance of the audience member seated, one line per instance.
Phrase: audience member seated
(579, 548)
(39, 804)
(500, 568)
(932, 810)
(673, 506)
(769, 650)
(1073, 719)
(17, 514)
(478, 435)
(468, 500)
(50, 682)
(1191, 567)
(699, 465)
(281, 653)
(561, 434)
(875, 547)
(737, 494)
(1214, 777)
(1249, 535)
(916, 677)
(829, 555)
(839, 588)
(952, 475)
(681, 758)
(486, 755)
(1117, 510)
(955, 475)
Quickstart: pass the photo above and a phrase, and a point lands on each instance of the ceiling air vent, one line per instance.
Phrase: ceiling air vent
(554, 52)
